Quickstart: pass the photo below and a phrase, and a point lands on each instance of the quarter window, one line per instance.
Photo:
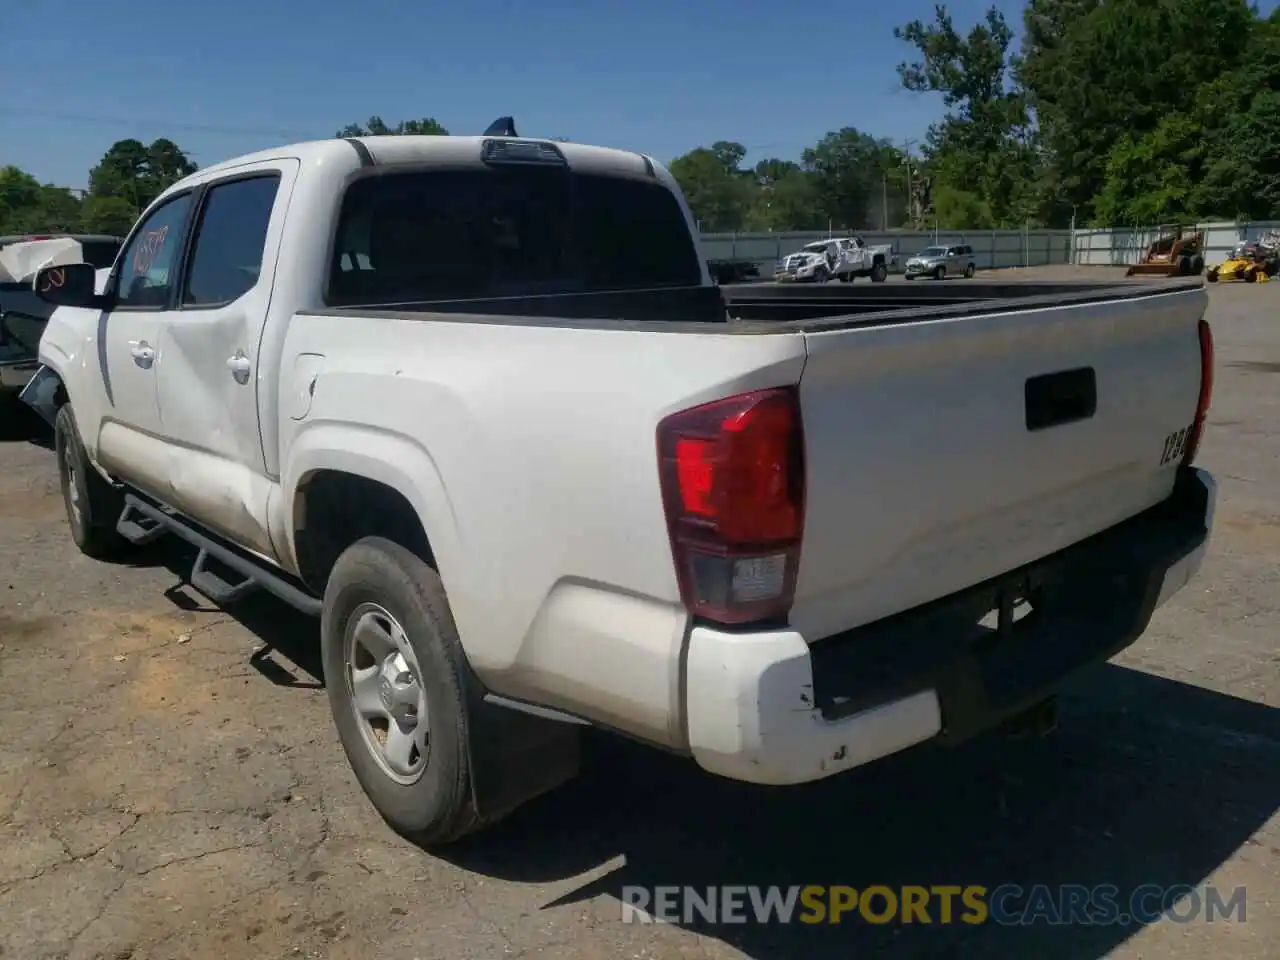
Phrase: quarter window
(229, 241)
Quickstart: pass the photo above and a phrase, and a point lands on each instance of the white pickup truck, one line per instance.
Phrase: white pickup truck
(844, 258)
(476, 403)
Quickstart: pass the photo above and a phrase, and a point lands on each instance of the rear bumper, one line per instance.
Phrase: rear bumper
(769, 707)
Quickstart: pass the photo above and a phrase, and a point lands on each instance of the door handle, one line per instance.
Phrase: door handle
(144, 355)
(239, 366)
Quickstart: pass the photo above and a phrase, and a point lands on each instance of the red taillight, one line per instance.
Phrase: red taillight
(732, 475)
(1206, 393)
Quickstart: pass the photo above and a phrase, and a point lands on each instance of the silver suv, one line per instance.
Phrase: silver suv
(942, 262)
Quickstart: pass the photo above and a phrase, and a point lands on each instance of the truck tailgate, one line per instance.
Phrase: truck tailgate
(941, 453)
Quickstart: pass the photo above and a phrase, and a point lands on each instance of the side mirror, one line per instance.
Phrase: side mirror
(70, 285)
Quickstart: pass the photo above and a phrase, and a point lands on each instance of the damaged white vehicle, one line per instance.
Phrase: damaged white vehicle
(841, 257)
(23, 314)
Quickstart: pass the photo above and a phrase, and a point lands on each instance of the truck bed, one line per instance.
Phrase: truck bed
(953, 432)
(837, 305)
(760, 307)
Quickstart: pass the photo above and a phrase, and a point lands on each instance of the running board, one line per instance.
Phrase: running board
(138, 529)
(214, 587)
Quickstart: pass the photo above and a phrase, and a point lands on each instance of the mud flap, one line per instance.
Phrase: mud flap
(516, 756)
(39, 394)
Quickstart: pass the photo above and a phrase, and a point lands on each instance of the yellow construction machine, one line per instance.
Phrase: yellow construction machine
(1253, 261)
(1177, 254)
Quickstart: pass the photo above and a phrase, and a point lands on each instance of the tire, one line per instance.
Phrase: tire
(380, 583)
(93, 506)
(879, 273)
(1184, 266)
(969, 271)
(1197, 265)
(939, 272)
(1212, 275)
(1251, 275)
(821, 275)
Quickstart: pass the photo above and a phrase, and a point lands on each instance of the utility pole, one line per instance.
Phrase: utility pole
(912, 214)
(884, 202)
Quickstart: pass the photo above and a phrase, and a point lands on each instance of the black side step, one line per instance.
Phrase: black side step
(216, 588)
(138, 529)
(206, 581)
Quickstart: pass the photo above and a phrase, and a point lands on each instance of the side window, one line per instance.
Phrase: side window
(145, 268)
(229, 241)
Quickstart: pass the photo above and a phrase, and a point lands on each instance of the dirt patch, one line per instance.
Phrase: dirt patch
(39, 505)
(15, 629)
(1252, 530)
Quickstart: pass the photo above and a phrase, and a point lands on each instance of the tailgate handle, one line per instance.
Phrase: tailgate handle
(1064, 397)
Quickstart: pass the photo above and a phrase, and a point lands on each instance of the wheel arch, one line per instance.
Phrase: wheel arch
(391, 476)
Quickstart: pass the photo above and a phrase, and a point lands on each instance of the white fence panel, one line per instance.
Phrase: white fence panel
(1121, 246)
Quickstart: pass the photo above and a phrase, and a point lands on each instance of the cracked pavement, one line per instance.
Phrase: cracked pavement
(171, 785)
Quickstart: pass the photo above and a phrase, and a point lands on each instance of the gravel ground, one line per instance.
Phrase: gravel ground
(171, 786)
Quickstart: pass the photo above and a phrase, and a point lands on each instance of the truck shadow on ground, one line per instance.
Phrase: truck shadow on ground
(1147, 781)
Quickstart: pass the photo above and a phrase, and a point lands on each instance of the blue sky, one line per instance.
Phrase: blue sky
(233, 76)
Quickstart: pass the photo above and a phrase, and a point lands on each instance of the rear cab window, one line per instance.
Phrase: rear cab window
(506, 231)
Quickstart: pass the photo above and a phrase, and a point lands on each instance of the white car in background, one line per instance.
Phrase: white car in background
(842, 257)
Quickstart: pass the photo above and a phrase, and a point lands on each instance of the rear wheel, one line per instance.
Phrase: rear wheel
(1251, 275)
(969, 271)
(1212, 275)
(879, 272)
(396, 679)
(940, 272)
(1197, 265)
(93, 505)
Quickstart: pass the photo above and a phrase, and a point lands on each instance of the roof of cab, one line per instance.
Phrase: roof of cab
(410, 149)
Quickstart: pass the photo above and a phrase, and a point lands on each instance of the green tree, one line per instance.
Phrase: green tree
(718, 191)
(847, 168)
(1152, 179)
(983, 154)
(28, 206)
(1241, 111)
(377, 127)
(137, 173)
(114, 215)
(785, 198)
(1100, 74)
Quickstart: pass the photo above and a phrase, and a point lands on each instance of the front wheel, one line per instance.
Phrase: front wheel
(821, 275)
(1212, 275)
(940, 272)
(1251, 275)
(879, 273)
(93, 505)
(396, 675)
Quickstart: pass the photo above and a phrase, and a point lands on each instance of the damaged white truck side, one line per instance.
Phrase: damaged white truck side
(476, 403)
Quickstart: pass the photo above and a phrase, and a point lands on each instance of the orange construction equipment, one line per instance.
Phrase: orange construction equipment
(1177, 254)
